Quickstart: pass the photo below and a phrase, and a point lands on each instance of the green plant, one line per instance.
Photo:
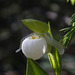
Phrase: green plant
(72, 1)
(70, 32)
(53, 49)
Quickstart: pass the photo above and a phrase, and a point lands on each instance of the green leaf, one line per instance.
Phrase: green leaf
(33, 68)
(66, 29)
(72, 2)
(67, 38)
(35, 25)
(49, 29)
(72, 20)
(55, 60)
(67, 0)
(54, 56)
(73, 25)
(73, 16)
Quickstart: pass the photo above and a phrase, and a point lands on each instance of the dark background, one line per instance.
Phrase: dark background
(58, 12)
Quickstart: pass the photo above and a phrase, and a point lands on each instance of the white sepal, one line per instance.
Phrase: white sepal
(54, 43)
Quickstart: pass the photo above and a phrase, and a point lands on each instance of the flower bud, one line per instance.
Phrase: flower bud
(34, 47)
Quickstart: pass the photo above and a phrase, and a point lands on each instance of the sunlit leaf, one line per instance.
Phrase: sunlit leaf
(49, 29)
(72, 2)
(72, 20)
(33, 68)
(35, 25)
(66, 29)
(54, 56)
(67, 0)
(73, 25)
(55, 60)
(67, 38)
(73, 16)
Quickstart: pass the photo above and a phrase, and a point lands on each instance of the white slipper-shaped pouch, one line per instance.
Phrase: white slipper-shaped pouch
(34, 47)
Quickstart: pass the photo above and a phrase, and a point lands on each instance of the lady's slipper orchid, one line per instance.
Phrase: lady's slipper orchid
(34, 47)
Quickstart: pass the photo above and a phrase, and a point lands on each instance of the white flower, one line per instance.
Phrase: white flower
(34, 47)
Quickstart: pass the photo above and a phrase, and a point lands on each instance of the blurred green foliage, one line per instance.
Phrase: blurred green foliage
(72, 1)
(70, 32)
